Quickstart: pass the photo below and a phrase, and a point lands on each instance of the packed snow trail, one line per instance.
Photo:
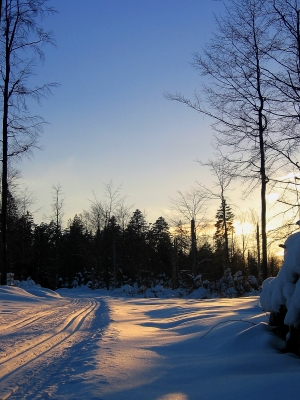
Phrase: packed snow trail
(35, 347)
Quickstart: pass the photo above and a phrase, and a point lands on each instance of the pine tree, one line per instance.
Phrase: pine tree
(224, 230)
(76, 251)
(44, 251)
(161, 246)
(135, 243)
(183, 245)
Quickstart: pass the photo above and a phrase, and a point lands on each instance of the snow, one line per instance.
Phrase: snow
(84, 344)
(284, 289)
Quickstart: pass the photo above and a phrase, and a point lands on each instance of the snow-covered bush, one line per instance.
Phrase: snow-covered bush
(283, 291)
(244, 284)
(226, 284)
(200, 293)
(127, 289)
(198, 281)
(253, 282)
(29, 282)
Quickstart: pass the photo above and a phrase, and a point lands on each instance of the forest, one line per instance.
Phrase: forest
(112, 245)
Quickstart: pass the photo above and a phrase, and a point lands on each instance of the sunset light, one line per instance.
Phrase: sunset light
(243, 228)
(151, 251)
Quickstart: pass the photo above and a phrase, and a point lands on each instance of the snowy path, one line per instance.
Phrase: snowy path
(96, 346)
(39, 344)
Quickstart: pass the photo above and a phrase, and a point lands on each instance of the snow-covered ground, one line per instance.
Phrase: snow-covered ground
(83, 344)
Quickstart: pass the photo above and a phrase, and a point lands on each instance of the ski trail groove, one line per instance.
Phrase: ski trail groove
(61, 336)
(23, 322)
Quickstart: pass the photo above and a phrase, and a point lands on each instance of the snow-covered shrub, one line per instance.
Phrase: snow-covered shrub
(186, 280)
(29, 282)
(198, 281)
(200, 293)
(206, 284)
(283, 291)
(127, 289)
(253, 282)
(226, 284)
(74, 283)
(241, 284)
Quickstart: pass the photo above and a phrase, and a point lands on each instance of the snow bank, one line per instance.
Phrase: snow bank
(13, 293)
(26, 291)
(42, 292)
(284, 290)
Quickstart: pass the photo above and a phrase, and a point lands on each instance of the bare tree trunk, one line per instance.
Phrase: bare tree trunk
(4, 156)
(227, 257)
(258, 249)
(193, 247)
(264, 262)
(264, 180)
(174, 265)
(115, 264)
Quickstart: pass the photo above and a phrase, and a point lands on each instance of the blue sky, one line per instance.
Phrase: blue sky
(108, 120)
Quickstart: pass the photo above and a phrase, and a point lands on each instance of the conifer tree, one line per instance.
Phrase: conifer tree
(161, 246)
(135, 244)
(224, 229)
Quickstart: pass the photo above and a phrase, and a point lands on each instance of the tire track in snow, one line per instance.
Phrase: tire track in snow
(40, 352)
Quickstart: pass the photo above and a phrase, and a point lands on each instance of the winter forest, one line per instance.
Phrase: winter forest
(113, 301)
(111, 245)
(249, 75)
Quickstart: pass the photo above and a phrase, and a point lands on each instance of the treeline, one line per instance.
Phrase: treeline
(112, 246)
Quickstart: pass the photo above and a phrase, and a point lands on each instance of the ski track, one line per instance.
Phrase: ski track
(26, 351)
(20, 322)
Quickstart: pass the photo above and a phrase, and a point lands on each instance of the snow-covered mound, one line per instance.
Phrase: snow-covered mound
(27, 292)
(42, 292)
(13, 293)
(284, 289)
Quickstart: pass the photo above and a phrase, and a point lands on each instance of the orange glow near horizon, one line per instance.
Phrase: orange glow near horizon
(243, 228)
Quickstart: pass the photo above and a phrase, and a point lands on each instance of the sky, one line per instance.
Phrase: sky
(109, 119)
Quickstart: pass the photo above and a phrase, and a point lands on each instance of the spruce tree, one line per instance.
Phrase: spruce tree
(135, 243)
(224, 230)
(161, 247)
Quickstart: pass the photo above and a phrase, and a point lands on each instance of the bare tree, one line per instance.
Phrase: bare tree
(190, 209)
(286, 208)
(244, 218)
(57, 208)
(239, 98)
(25, 200)
(21, 42)
(96, 214)
(112, 199)
(123, 214)
(190, 206)
(112, 204)
(284, 16)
